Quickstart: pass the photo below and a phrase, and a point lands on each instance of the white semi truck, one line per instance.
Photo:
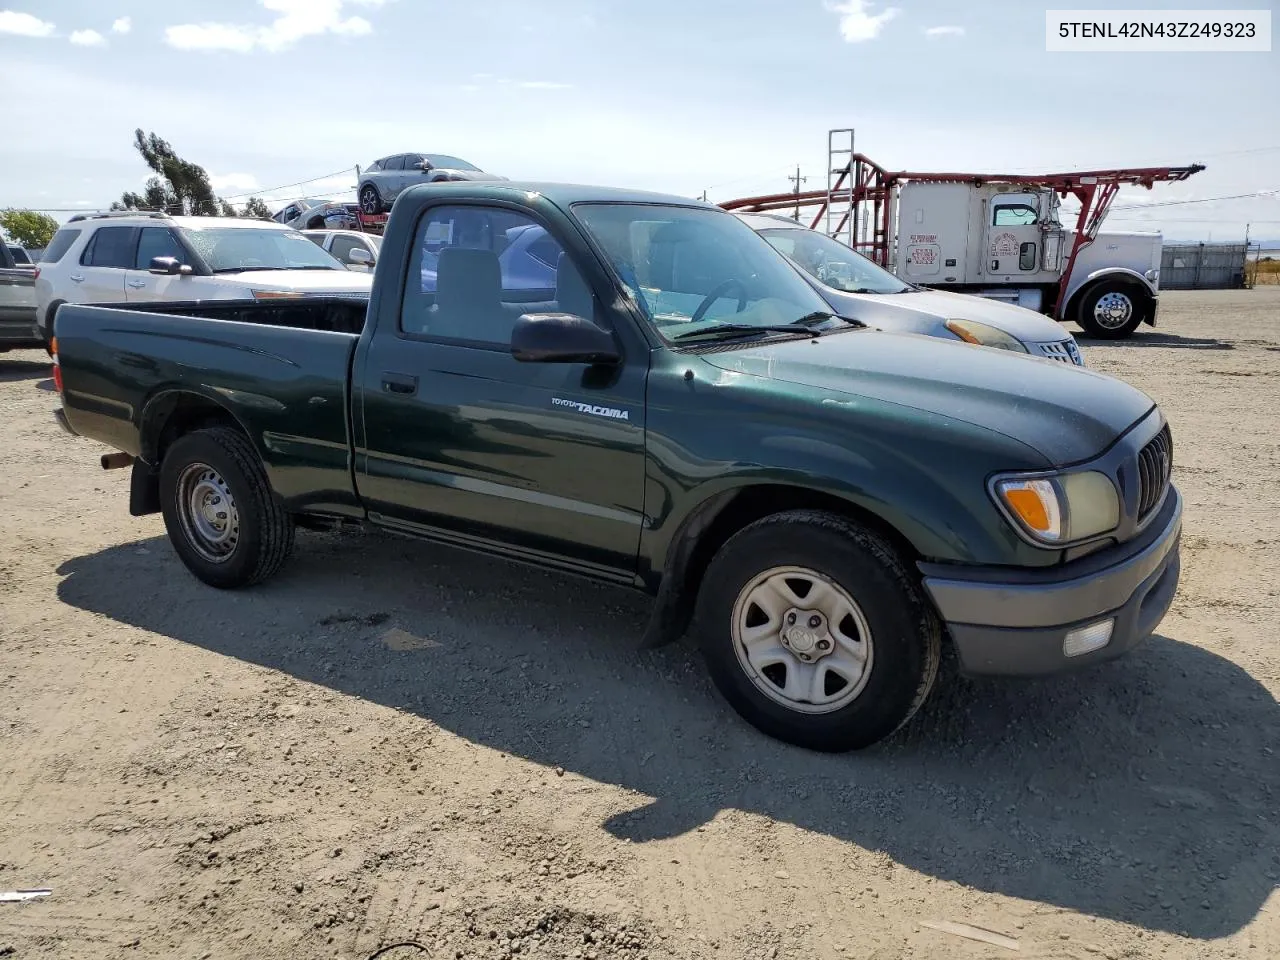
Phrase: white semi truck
(994, 235)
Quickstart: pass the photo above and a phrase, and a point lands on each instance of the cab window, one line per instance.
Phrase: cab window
(1014, 215)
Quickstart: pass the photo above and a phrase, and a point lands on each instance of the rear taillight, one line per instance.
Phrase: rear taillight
(57, 368)
(36, 275)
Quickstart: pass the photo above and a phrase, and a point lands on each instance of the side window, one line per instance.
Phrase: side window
(472, 275)
(1014, 215)
(110, 247)
(1027, 256)
(157, 242)
(59, 245)
(393, 163)
(316, 238)
(373, 167)
(342, 247)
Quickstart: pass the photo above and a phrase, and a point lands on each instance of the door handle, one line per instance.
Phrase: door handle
(76, 278)
(137, 284)
(399, 383)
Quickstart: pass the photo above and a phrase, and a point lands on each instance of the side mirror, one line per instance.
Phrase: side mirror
(359, 255)
(426, 166)
(170, 267)
(561, 338)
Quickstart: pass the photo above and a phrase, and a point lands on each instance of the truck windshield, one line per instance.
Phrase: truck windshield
(690, 268)
(234, 249)
(831, 262)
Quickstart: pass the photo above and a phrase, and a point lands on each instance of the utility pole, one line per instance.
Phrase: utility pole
(797, 180)
(704, 196)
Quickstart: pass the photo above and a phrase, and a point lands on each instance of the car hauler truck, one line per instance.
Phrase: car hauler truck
(995, 235)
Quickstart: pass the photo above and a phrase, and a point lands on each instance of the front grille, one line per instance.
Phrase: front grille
(1064, 350)
(1155, 465)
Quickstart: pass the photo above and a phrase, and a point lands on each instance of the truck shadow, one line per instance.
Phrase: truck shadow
(1173, 341)
(14, 370)
(1142, 791)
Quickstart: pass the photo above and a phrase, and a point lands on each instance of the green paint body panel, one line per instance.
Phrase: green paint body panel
(907, 428)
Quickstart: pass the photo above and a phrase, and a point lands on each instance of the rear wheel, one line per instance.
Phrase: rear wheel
(1112, 310)
(816, 633)
(370, 200)
(222, 517)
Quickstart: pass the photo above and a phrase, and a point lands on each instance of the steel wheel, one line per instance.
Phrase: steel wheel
(207, 512)
(1113, 310)
(802, 640)
(370, 202)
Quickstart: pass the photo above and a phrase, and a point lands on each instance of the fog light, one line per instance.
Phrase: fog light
(1087, 639)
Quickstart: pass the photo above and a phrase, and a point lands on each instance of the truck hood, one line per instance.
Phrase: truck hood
(1067, 413)
(306, 281)
(925, 309)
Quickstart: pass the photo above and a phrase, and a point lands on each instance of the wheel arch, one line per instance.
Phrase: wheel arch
(716, 519)
(167, 416)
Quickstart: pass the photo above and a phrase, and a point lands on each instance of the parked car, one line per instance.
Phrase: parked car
(381, 181)
(318, 215)
(358, 250)
(855, 286)
(17, 300)
(681, 413)
(20, 257)
(107, 258)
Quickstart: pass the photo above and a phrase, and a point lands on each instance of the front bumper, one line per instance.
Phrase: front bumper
(1004, 623)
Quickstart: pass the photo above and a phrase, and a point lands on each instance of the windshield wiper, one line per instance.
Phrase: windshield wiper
(745, 328)
(256, 269)
(809, 319)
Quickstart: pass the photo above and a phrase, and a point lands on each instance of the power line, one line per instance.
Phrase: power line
(1177, 203)
(254, 193)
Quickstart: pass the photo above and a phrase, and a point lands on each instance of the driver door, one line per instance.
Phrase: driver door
(1013, 236)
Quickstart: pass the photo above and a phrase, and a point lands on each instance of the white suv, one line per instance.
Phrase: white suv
(140, 257)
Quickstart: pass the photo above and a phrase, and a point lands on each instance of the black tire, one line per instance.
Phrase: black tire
(265, 530)
(906, 635)
(370, 200)
(1138, 303)
(46, 332)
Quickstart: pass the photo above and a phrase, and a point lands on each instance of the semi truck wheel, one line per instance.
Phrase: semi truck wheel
(815, 632)
(1112, 310)
(222, 517)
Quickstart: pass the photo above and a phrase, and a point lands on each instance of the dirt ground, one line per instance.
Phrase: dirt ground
(393, 741)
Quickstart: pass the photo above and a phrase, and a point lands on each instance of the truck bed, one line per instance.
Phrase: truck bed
(279, 368)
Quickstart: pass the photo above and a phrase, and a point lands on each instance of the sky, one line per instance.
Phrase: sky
(722, 96)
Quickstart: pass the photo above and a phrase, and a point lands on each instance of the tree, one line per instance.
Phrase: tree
(179, 187)
(28, 228)
(257, 209)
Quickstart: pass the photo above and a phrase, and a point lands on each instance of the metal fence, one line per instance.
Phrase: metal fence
(1203, 266)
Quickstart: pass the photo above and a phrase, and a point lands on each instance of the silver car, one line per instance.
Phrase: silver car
(855, 287)
(382, 181)
(359, 251)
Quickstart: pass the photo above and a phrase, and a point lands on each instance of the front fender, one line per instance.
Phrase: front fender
(1077, 284)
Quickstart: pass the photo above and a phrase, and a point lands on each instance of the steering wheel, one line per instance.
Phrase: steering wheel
(720, 290)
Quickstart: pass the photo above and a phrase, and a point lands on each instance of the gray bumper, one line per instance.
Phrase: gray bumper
(1010, 624)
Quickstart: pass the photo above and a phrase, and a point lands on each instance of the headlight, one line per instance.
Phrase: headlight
(971, 331)
(1061, 509)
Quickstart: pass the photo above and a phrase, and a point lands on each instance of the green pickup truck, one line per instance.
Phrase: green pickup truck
(640, 389)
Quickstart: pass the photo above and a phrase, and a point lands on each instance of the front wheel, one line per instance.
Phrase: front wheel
(815, 632)
(222, 517)
(1112, 311)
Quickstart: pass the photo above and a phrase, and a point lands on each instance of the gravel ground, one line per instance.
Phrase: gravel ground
(393, 741)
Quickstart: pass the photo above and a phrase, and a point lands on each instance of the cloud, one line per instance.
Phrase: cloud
(297, 19)
(88, 38)
(857, 22)
(233, 181)
(944, 32)
(544, 85)
(24, 24)
(123, 25)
